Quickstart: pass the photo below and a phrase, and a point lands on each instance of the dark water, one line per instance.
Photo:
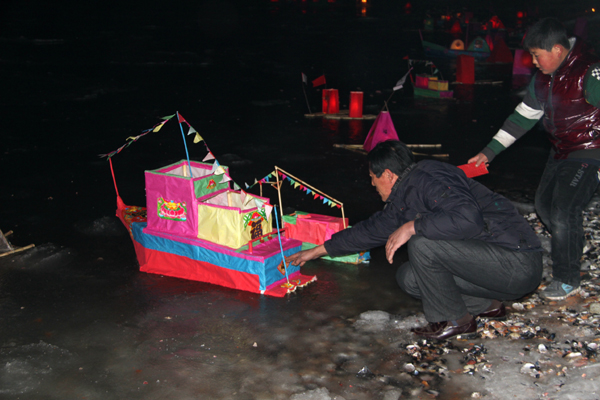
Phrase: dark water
(78, 319)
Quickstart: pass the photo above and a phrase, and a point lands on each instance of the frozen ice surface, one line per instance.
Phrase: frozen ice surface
(24, 368)
(77, 318)
(105, 226)
(316, 394)
(375, 316)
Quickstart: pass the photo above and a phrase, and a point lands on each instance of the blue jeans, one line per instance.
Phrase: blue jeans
(566, 187)
(453, 277)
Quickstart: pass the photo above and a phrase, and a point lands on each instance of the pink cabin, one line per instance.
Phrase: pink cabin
(202, 206)
(172, 194)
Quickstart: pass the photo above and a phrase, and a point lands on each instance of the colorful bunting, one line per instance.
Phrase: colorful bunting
(157, 128)
(208, 157)
(259, 203)
(226, 178)
(268, 208)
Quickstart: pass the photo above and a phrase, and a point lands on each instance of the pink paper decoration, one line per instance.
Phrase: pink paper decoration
(382, 130)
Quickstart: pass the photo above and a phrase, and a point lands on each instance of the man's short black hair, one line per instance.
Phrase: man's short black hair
(545, 34)
(392, 155)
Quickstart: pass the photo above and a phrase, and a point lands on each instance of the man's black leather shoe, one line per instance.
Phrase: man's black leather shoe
(497, 313)
(445, 330)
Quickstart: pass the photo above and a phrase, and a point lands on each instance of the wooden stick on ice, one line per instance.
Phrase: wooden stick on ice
(16, 250)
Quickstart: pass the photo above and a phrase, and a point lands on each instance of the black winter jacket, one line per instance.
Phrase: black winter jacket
(445, 205)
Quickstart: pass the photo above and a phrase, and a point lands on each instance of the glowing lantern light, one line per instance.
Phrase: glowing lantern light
(325, 93)
(356, 104)
(331, 101)
(457, 45)
(334, 102)
(520, 14)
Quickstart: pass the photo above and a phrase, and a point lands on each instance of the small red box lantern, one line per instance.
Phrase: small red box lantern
(331, 101)
(422, 81)
(325, 93)
(465, 69)
(356, 104)
(334, 102)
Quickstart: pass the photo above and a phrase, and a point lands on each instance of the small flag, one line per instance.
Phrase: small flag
(319, 81)
(400, 83)
(226, 178)
(157, 128)
(304, 79)
(268, 208)
(258, 203)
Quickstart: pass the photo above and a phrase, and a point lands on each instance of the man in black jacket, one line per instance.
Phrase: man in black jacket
(468, 247)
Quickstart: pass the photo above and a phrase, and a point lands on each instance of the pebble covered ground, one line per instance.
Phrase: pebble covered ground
(543, 350)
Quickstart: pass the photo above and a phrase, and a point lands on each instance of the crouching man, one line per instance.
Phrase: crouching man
(468, 247)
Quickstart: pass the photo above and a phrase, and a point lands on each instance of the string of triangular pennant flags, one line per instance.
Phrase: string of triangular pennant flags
(316, 196)
(296, 185)
(217, 169)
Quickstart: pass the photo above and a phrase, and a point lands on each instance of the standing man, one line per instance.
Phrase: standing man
(468, 247)
(565, 94)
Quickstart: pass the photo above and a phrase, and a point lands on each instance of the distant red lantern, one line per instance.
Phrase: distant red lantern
(325, 96)
(331, 101)
(356, 104)
(334, 102)
(520, 14)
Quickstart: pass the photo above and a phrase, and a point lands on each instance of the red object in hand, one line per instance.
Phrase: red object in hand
(472, 171)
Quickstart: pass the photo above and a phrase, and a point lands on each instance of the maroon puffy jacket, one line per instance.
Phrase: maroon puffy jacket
(571, 122)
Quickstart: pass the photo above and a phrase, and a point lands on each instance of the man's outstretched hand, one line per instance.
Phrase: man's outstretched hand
(478, 159)
(301, 257)
(398, 238)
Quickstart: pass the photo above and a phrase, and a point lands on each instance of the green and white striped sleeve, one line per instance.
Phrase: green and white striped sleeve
(525, 116)
(591, 85)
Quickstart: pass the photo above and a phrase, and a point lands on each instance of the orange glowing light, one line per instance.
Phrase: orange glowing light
(593, 10)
